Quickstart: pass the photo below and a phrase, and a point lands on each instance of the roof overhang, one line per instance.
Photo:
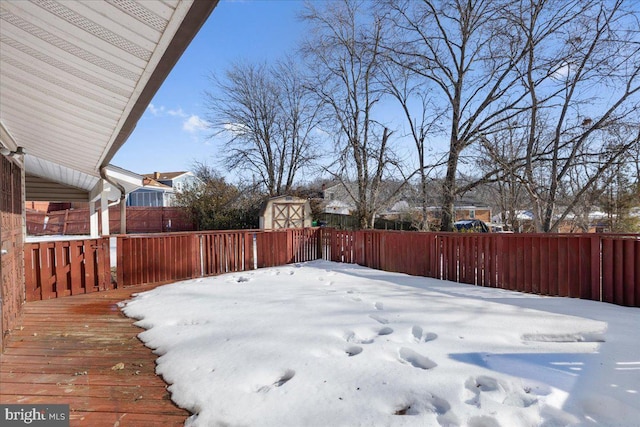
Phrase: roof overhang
(77, 76)
(74, 186)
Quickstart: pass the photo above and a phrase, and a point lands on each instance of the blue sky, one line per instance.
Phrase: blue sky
(170, 136)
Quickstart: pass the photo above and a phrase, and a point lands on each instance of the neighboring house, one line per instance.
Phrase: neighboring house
(338, 201)
(176, 180)
(160, 188)
(594, 221)
(152, 194)
(471, 209)
(520, 221)
(464, 210)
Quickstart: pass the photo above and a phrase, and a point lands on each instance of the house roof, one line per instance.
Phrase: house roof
(75, 77)
(166, 175)
(152, 184)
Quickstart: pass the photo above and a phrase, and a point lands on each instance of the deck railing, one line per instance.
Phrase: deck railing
(66, 267)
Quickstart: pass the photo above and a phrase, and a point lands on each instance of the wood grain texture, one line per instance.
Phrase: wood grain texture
(64, 350)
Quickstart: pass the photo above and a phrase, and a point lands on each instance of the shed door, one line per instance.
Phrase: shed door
(288, 215)
(12, 246)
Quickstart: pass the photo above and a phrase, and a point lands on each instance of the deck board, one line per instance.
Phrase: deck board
(64, 351)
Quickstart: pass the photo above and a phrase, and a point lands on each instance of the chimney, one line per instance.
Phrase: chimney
(156, 175)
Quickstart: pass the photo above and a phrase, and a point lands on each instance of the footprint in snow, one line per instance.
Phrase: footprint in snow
(415, 359)
(353, 350)
(379, 306)
(420, 336)
(483, 421)
(484, 387)
(385, 331)
(242, 279)
(430, 404)
(379, 319)
(284, 378)
(351, 337)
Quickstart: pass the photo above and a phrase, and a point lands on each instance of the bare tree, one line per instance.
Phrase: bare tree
(500, 160)
(267, 118)
(618, 199)
(465, 50)
(563, 80)
(298, 121)
(584, 111)
(423, 120)
(344, 53)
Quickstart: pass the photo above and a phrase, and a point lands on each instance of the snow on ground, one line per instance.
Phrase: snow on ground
(327, 344)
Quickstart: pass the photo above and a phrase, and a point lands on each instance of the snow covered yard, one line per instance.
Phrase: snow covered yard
(327, 344)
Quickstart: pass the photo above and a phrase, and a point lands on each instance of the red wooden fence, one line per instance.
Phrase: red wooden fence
(158, 258)
(60, 268)
(139, 220)
(588, 266)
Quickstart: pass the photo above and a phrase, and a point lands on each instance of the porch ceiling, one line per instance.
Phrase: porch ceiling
(76, 76)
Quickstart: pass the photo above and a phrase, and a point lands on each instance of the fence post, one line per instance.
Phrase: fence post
(195, 255)
(106, 262)
(596, 268)
(318, 232)
(119, 261)
(290, 255)
(629, 278)
(32, 264)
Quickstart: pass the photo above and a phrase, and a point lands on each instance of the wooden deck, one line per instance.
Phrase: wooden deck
(82, 351)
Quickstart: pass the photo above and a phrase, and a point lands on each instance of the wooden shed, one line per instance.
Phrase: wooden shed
(285, 212)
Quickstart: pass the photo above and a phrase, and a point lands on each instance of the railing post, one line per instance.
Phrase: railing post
(195, 256)
(290, 255)
(120, 261)
(628, 274)
(321, 243)
(32, 264)
(104, 263)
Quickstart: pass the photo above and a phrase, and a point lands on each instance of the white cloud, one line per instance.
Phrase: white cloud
(177, 113)
(155, 110)
(194, 124)
(561, 72)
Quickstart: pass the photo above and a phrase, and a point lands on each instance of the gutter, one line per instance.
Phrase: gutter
(123, 196)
